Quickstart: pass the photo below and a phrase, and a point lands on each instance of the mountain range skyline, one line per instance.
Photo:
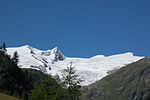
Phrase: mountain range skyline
(117, 53)
(53, 61)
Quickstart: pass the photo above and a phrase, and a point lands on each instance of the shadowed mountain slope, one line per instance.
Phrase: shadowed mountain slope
(131, 82)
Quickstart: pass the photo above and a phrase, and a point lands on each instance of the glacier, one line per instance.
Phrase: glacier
(54, 62)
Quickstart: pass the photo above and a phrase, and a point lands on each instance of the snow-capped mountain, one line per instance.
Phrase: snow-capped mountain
(53, 62)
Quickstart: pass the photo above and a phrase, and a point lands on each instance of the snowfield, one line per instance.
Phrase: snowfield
(53, 62)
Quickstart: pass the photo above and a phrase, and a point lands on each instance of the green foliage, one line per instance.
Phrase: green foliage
(71, 82)
(29, 84)
(34, 78)
(48, 89)
(12, 80)
(15, 58)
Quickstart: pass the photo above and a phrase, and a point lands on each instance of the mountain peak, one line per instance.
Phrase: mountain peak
(55, 50)
(57, 54)
(26, 46)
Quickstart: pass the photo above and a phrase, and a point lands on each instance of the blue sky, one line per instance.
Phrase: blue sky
(81, 28)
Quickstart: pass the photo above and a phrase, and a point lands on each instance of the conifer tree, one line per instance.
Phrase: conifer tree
(4, 47)
(15, 57)
(11, 77)
(48, 89)
(71, 82)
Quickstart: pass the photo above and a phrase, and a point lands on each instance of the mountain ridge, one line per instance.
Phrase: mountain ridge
(128, 83)
(54, 61)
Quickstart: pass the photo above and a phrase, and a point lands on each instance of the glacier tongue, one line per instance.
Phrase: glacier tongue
(53, 62)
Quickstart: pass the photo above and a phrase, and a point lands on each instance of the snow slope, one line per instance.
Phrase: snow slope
(53, 62)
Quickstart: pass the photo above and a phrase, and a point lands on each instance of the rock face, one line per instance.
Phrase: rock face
(54, 62)
(131, 82)
(57, 54)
